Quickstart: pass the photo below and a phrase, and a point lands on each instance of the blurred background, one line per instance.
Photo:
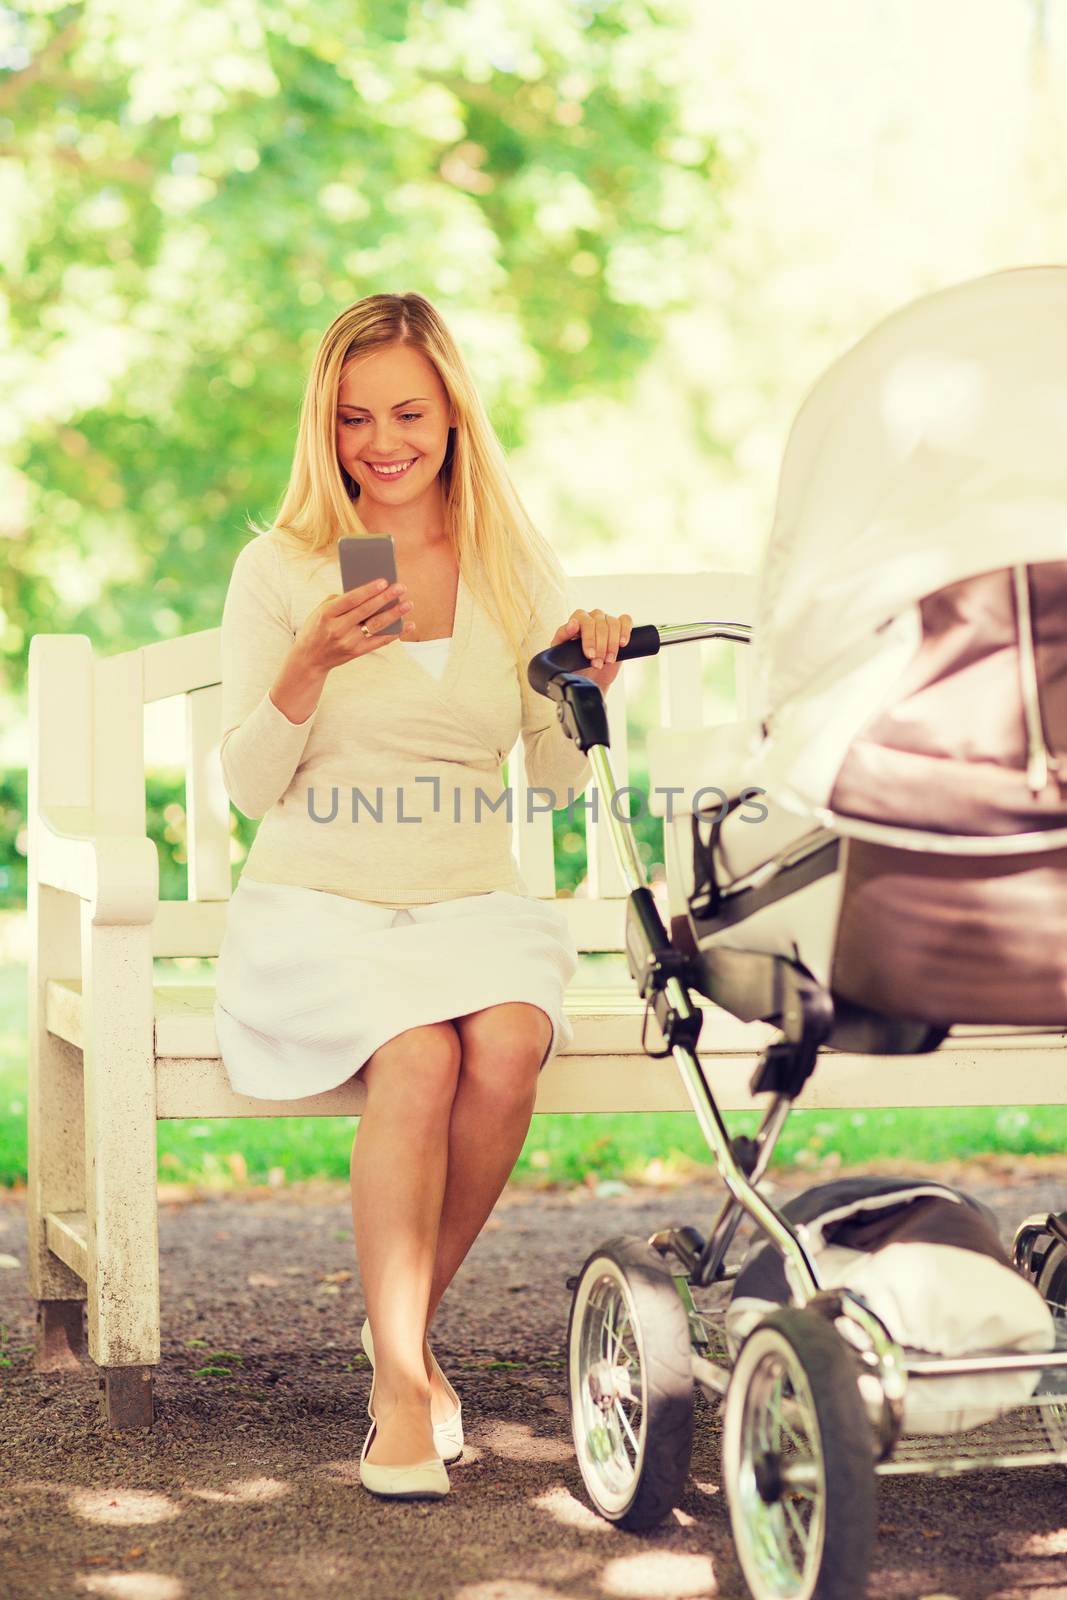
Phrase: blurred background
(650, 225)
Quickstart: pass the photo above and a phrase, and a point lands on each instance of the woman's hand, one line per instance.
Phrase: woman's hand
(602, 636)
(333, 633)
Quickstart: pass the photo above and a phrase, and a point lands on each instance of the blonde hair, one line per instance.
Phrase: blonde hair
(497, 547)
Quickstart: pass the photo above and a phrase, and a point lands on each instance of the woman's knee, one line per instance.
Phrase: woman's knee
(503, 1048)
(420, 1066)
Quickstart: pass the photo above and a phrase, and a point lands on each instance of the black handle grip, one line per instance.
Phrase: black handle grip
(570, 656)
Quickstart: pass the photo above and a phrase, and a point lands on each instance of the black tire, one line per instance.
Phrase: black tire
(1052, 1285)
(1052, 1279)
(637, 1493)
(801, 1351)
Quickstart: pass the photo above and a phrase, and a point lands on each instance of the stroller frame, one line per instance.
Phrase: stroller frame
(782, 1557)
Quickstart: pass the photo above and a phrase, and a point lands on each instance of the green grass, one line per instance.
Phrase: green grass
(559, 1149)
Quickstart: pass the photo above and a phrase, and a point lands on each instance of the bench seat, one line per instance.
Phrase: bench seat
(604, 1068)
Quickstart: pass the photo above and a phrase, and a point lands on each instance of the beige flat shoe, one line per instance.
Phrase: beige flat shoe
(423, 1480)
(447, 1435)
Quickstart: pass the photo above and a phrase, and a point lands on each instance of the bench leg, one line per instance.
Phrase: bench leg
(55, 1128)
(118, 1031)
(127, 1397)
(127, 1392)
(60, 1341)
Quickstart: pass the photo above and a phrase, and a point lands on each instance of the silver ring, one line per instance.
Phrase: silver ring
(365, 630)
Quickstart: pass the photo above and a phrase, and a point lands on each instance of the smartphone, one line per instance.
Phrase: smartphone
(363, 560)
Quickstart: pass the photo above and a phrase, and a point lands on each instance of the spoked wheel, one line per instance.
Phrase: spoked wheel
(1052, 1283)
(631, 1383)
(798, 1462)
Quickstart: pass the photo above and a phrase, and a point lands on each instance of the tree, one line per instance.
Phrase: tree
(194, 191)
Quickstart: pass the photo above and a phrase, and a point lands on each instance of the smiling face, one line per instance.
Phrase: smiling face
(393, 419)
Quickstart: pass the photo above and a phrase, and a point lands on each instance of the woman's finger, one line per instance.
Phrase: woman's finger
(600, 636)
(363, 602)
(376, 636)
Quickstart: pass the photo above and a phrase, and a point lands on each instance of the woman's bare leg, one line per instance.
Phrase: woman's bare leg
(398, 1173)
(503, 1047)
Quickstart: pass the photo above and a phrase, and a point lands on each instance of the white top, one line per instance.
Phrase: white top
(430, 653)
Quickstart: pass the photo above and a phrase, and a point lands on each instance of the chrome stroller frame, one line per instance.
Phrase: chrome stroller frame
(800, 1455)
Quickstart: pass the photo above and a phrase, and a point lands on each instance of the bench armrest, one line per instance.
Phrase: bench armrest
(116, 873)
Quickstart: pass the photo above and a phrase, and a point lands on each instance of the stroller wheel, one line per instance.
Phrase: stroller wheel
(631, 1383)
(798, 1462)
(1052, 1283)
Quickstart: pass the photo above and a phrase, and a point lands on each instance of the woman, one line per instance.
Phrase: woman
(380, 923)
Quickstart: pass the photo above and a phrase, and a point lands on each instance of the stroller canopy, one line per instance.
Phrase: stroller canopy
(934, 450)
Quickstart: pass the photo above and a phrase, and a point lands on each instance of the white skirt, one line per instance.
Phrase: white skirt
(309, 984)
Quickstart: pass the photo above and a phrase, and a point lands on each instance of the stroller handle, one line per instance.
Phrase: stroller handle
(560, 659)
(556, 673)
(569, 656)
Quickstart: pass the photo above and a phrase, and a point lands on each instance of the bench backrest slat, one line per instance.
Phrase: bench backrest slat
(207, 805)
(118, 743)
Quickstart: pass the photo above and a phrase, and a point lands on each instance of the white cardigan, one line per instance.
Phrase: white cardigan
(391, 790)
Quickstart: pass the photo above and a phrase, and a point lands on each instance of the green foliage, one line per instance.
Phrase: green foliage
(193, 193)
(12, 838)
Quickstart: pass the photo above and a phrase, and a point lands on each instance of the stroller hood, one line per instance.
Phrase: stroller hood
(932, 451)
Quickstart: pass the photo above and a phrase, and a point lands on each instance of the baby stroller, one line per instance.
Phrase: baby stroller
(908, 878)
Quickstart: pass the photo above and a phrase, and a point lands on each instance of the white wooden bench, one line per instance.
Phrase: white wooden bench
(112, 1048)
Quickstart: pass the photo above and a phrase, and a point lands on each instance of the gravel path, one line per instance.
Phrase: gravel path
(248, 1485)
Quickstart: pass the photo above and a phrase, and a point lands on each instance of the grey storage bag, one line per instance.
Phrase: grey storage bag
(928, 1261)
